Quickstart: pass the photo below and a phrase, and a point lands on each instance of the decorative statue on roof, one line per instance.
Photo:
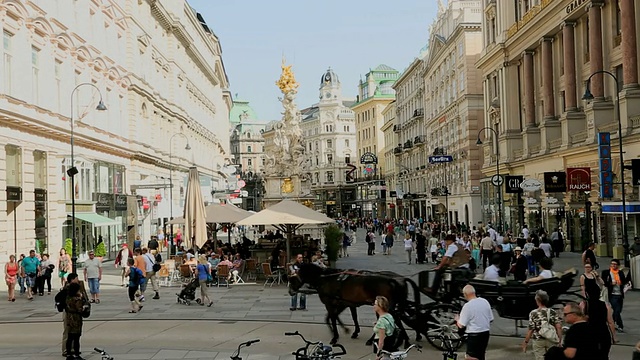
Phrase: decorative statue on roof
(287, 156)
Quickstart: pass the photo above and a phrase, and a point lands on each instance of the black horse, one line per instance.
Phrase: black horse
(339, 290)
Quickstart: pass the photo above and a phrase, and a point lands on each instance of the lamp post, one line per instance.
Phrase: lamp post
(498, 182)
(187, 147)
(72, 172)
(588, 96)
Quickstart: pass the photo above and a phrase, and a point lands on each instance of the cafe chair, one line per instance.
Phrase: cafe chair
(269, 276)
(251, 269)
(223, 273)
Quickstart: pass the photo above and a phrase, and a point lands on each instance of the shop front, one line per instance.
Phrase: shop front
(114, 208)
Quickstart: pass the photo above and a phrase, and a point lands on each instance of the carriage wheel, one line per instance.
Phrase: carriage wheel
(442, 331)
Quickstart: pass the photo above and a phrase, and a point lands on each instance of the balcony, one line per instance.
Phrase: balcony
(418, 139)
(418, 112)
(397, 128)
(397, 150)
(408, 144)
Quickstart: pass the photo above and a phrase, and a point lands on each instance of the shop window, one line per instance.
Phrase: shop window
(14, 165)
(40, 194)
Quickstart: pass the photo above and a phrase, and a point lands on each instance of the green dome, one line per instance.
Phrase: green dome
(241, 111)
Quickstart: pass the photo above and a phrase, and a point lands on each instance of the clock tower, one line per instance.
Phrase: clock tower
(330, 89)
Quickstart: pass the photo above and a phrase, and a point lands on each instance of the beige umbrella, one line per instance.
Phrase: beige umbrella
(225, 214)
(177, 221)
(195, 221)
(287, 216)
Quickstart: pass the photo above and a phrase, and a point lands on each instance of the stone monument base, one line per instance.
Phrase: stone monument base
(279, 188)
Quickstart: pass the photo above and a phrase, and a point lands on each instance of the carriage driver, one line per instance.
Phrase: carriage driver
(454, 258)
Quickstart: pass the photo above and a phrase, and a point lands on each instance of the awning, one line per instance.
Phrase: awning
(95, 219)
(632, 207)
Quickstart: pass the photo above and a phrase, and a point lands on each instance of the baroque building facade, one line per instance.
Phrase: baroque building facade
(159, 71)
(329, 132)
(375, 92)
(389, 174)
(453, 114)
(544, 52)
(247, 151)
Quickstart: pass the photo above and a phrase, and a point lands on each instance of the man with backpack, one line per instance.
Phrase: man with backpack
(136, 279)
(151, 268)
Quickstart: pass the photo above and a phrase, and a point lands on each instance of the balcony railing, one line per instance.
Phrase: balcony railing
(408, 144)
(418, 140)
(418, 112)
(397, 150)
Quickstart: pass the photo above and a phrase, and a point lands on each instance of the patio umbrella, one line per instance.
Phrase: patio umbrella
(195, 221)
(225, 214)
(177, 221)
(287, 216)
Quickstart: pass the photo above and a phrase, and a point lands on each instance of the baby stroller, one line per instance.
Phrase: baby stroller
(188, 292)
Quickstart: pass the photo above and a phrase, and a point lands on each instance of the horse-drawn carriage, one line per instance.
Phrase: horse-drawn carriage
(342, 289)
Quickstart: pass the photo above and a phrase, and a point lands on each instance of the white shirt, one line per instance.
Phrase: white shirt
(493, 234)
(148, 262)
(451, 250)
(546, 247)
(525, 233)
(546, 274)
(476, 316)
(408, 244)
(491, 274)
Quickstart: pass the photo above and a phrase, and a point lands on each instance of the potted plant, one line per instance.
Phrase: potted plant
(100, 251)
(333, 238)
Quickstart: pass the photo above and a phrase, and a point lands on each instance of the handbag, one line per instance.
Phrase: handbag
(547, 331)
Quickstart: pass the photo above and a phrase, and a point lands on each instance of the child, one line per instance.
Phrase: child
(73, 323)
(135, 277)
(440, 253)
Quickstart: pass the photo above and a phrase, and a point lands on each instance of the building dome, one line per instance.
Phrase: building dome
(329, 77)
(241, 111)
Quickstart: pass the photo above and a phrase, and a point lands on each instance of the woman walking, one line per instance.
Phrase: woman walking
(600, 318)
(11, 270)
(383, 330)
(202, 272)
(408, 246)
(590, 281)
(541, 320)
(64, 267)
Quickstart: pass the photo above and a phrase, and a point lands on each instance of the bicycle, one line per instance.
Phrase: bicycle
(400, 355)
(450, 346)
(316, 350)
(235, 356)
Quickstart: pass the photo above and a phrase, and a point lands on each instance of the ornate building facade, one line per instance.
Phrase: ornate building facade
(453, 114)
(391, 139)
(409, 151)
(247, 150)
(375, 92)
(329, 132)
(158, 69)
(543, 52)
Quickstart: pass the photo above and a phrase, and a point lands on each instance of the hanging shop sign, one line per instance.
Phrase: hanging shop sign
(513, 183)
(120, 202)
(530, 185)
(555, 182)
(579, 179)
(14, 193)
(606, 170)
(368, 158)
(40, 195)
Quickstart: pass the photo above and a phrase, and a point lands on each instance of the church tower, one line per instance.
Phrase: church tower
(330, 89)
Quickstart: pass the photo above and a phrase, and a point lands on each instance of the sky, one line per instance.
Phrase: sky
(350, 36)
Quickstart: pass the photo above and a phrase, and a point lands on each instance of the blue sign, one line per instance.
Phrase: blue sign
(606, 174)
(440, 159)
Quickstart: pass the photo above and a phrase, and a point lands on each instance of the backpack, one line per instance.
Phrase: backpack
(158, 257)
(61, 300)
(136, 277)
(392, 342)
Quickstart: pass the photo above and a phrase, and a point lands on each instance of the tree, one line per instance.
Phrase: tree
(333, 238)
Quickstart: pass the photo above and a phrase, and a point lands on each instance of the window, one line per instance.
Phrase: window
(329, 158)
(317, 161)
(346, 143)
(35, 68)
(587, 40)
(329, 144)
(347, 159)
(249, 163)
(249, 148)
(8, 74)
(329, 176)
(316, 177)
(13, 165)
(57, 69)
(620, 76)
(618, 19)
(264, 161)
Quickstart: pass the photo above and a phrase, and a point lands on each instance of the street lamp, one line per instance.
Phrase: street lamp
(72, 172)
(187, 147)
(498, 182)
(588, 96)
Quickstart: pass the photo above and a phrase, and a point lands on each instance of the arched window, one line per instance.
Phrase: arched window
(249, 148)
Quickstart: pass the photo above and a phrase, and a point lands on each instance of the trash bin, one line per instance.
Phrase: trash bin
(635, 272)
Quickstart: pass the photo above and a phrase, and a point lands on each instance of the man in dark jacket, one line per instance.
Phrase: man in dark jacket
(615, 280)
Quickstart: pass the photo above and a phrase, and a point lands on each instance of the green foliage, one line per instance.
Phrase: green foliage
(333, 239)
(68, 246)
(101, 250)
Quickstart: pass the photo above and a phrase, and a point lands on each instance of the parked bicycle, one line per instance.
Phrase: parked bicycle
(235, 356)
(316, 350)
(400, 355)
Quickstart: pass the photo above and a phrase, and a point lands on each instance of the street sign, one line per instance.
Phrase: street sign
(497, 180)
(440, 159)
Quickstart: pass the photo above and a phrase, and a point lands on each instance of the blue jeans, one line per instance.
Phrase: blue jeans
(94, 286)
(23, 289)
(616, 305)
(303, 301)
(532, 265)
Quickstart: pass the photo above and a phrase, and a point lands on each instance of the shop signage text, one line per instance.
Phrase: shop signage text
(513, 183)
(14, 193)
(531, 185)
(606, 172)
(579, 179)
(120, 202)
(574, 5)
(440, 159)
(555, 182)
(40, 195)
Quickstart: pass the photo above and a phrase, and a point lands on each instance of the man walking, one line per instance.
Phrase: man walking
(616, 282)
(150, 274)
(140, 264)
(476, 316)
(293, 270)
(71, 279)
(93, 275)
(29, 267)
(486, 250)
(121, 260)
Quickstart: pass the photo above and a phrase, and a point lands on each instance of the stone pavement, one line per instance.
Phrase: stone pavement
(167, 330)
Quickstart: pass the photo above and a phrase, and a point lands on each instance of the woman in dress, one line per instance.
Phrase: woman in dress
(11, 270)
(64, 266)
(537, 318)
(600, 317)
(590, 281)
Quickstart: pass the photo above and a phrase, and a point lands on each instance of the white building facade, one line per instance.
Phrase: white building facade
(157, 67)
(330, 137)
